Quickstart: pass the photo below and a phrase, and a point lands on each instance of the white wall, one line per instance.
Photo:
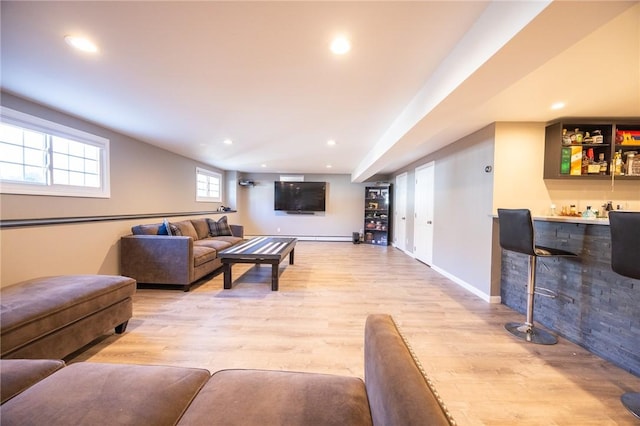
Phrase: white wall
(519, 163)
(344, 209)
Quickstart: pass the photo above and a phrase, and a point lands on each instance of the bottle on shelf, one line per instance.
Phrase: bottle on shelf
(603, 164)
(593, 168)
(585, 163)
(616, 167)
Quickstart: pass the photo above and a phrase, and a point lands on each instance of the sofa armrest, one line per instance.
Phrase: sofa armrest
(157, 259)
(398, 392)
(237, 230)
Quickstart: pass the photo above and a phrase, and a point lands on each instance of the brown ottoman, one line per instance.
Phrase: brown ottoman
(262, 397)
(53, 317)
(17, 375)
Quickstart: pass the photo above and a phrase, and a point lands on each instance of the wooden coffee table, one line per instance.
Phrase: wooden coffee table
(270, 250)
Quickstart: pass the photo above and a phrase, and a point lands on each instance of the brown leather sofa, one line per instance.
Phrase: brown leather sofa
(179, 259)
(395, 392)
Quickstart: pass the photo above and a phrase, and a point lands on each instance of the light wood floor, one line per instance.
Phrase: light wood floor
(315, 323)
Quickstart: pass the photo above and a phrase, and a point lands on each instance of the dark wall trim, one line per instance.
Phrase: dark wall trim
(23, 223)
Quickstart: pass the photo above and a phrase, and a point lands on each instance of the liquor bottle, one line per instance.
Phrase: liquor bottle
(585, 163)
(593, 168)
(603, 164)
(617, 163)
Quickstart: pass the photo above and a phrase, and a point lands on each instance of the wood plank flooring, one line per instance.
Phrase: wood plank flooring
(315, 323)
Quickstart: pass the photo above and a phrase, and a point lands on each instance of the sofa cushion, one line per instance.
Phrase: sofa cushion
(96, 394)
(219, 227)
(260, 397)
(202, 227)
(213, 243)
(202, 255)
(34, 308)
(228, 238)
(186, 229)
(17, 375)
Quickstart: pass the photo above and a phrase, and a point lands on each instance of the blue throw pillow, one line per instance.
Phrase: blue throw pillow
(165, 228)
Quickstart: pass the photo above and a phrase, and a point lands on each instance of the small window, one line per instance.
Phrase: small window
(208, 186)
(40, 157)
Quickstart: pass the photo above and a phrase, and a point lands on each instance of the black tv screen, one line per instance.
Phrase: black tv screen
(300, 196)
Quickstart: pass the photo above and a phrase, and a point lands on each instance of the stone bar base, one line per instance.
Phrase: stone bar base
(595, 307)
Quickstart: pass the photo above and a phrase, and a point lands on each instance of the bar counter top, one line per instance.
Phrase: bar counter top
(573, 219)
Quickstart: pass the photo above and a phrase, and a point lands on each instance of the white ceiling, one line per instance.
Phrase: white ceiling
(185, 76)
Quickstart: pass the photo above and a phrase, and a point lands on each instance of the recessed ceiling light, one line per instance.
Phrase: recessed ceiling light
(329, 166)
(331, 142)
(558, 105)
(81, 43)
(263, 165)
(227, 142)
(340, 45)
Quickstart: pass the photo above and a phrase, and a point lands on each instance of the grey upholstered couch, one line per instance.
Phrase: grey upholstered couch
(395, 392)
(151, 256)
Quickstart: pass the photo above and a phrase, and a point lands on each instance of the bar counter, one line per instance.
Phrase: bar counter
(595, 307)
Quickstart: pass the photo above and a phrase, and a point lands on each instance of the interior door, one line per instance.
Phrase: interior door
(400, 213)
(423, 221)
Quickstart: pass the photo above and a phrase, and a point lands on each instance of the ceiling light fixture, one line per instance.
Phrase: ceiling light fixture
(329, 166)
(81, 43)
(558, 105)
(227, 142)
(340, 45)
(331, 142)
(263, 165)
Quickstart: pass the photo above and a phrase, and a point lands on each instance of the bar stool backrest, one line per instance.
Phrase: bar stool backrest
(625, 243)
(516, 231)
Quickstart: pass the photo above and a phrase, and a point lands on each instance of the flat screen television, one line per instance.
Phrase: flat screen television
(300, 196)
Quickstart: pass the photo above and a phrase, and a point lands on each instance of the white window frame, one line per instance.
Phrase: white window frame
(27, 121)
(210, 175)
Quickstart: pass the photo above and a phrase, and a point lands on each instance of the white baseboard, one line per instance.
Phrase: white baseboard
(336, 238)
(467, 286)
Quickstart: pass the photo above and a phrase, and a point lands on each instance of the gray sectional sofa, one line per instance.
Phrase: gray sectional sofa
(176, 253)
(395, 392)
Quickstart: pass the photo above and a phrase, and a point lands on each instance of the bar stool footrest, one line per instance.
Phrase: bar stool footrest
(631, 400)
(530, 333)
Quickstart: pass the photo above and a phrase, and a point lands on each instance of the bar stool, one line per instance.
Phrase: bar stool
(625, 246)
(516, 234)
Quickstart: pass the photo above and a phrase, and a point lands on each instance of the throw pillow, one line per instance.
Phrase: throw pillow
(165, 228)
(174, 230)
(220, 227)
(185, 229)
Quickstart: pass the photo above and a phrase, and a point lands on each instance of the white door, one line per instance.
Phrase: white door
(423, 221)
(400, 207)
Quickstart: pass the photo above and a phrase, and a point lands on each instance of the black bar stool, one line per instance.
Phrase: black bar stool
(516, 234)
(625, 260)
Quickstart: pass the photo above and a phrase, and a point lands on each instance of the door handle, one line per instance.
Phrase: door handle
(429, 222)
(403, 218)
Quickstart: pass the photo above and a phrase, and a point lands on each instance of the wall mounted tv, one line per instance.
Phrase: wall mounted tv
(300, 196)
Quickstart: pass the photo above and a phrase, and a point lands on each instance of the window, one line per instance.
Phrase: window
(40, 157)
(208, 185)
